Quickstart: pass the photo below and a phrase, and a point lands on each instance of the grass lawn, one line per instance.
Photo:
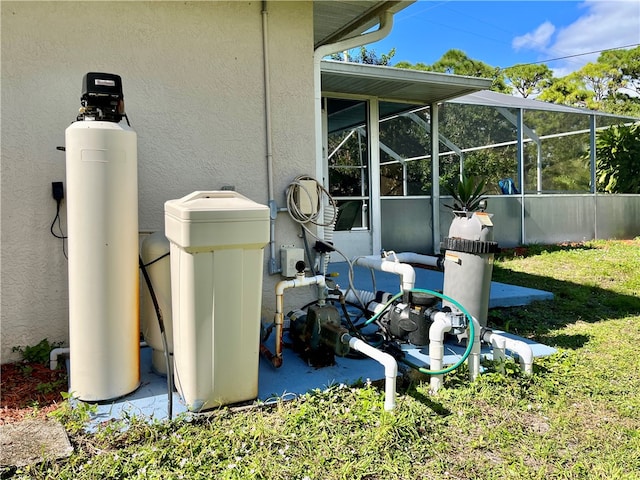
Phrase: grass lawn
(577, 416)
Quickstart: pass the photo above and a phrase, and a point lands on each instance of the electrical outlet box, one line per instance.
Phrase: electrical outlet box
(289, 256)
(307, 197)
(57, 191)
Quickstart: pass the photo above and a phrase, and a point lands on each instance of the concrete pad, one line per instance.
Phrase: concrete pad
(502, 294)
(295, 377)
(32, 441)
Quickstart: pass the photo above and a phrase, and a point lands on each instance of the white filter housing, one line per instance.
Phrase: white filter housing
(102, 211)
(217, 247)
(154, 247)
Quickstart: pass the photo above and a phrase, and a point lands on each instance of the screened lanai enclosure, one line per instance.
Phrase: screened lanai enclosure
(538, 160)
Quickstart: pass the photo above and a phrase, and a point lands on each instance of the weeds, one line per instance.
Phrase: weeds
(576, 417)
(37, 353)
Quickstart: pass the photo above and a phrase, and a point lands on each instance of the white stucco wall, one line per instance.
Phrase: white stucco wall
(193, 84)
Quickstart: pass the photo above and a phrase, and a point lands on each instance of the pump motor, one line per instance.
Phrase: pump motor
(317, 334)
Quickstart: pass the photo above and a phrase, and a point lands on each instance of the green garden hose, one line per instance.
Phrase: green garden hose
(466, 353)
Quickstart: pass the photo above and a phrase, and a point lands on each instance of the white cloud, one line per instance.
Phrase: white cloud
(536, 40)
(603, 24)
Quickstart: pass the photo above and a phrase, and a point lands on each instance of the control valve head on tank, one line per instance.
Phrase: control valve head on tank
(102, 98)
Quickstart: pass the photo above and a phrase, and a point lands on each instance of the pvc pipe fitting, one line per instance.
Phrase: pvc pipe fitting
(387, 361)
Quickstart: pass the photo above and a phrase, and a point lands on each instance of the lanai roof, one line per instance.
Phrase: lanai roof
(417, 87)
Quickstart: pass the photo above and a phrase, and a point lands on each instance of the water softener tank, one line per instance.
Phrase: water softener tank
(468, 262)
(155, 255)
(102, 211)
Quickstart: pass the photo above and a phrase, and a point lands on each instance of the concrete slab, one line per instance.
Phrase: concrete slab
(32, 441)
(502, 294)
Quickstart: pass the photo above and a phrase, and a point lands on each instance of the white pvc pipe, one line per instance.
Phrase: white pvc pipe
(497, 344)
(522, 349)
(419, 259)
(524, 352)
(299, 281)
(474, 356)
(56, 352)
(390, 369)
(406, 272)
(53, 356)
(441, 325)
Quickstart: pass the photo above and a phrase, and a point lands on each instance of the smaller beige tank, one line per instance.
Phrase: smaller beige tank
(155, 255)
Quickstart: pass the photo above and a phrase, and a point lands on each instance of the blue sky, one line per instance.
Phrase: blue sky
(504, 33)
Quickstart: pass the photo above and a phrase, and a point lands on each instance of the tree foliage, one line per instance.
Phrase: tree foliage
(528, 79)
(611, 84)
(365, 56)
(618, 159)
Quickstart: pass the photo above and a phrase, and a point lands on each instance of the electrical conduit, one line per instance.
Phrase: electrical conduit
(273, 209)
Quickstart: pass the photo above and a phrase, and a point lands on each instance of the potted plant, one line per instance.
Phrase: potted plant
(469, 194)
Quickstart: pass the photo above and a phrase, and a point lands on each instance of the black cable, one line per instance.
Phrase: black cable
(163, 335)
(307, 250)
(62, 236)
(157, 259)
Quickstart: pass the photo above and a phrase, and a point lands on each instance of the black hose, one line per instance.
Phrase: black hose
(307, 251)
(163, 335)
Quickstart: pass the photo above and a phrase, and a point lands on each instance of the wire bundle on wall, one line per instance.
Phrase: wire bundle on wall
(297, 187)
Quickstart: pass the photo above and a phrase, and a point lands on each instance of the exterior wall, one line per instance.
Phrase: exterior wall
(192, 77)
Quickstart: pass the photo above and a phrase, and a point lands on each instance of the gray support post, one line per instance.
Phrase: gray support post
(592, 162)
(375, 204)
(435, 178)
(519, 127)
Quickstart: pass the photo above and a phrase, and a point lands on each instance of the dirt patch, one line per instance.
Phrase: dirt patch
(29, 390)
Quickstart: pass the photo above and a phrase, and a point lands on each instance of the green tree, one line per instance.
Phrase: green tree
(365, 56)
(618, 159)
(457, 62)
(602, 80)
(625, 100)
(611, 84)
(569, 90)
(528, 79)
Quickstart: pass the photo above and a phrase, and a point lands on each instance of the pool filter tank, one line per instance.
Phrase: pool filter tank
(468, 262)
(102, 216)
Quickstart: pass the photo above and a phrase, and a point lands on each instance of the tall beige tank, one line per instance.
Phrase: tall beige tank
(102, 219)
